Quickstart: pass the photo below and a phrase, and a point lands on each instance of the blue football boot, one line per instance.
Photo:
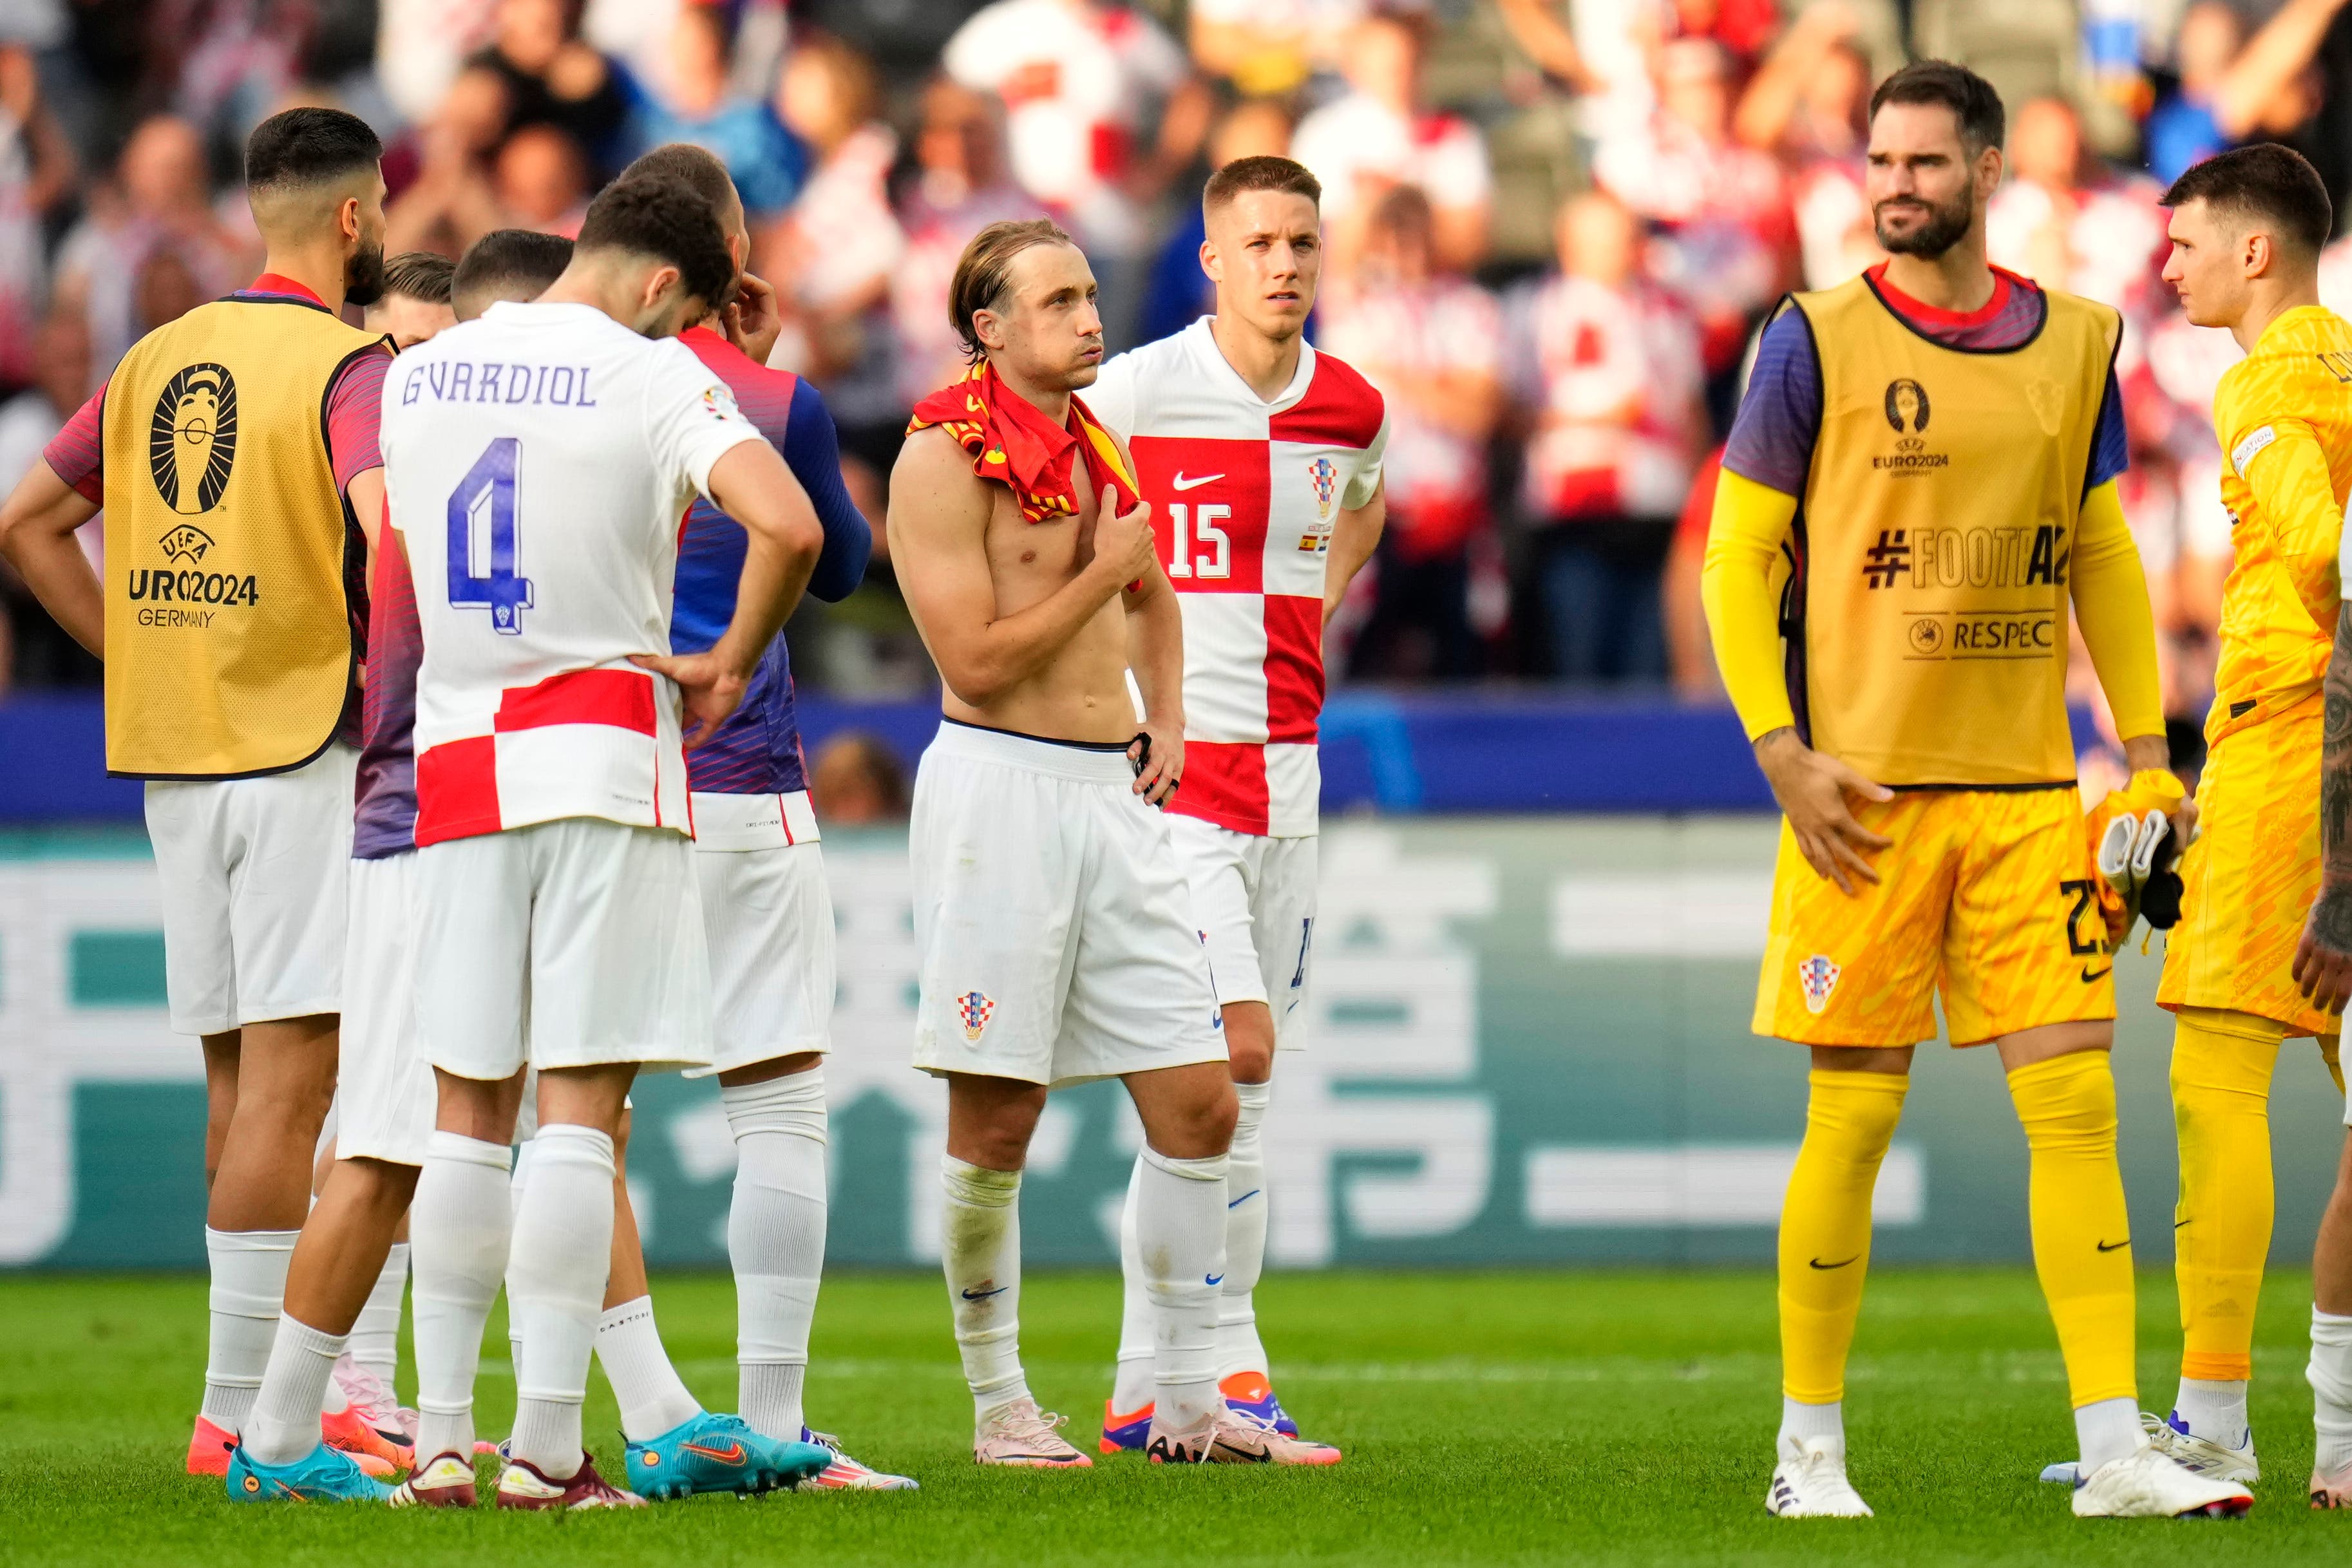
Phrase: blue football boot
(324, 1475)
(719, 1453)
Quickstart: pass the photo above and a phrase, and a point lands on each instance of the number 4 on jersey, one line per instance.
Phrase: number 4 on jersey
(501, 592)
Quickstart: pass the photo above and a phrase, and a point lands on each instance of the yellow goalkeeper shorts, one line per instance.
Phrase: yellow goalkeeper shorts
(1986, 895)
(2248, 880)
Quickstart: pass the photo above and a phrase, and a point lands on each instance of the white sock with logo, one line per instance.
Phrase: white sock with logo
(562, 1254)
(1238, 1346)
(375, 1335)
(1180, 1224)
(2214, 1409)
(284, 1426)
(459, 1225)
(248, 1291)
(652, 1398)
(775, 1240)
(979, 1248)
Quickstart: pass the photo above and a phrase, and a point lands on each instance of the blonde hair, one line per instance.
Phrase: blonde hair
(980, 272)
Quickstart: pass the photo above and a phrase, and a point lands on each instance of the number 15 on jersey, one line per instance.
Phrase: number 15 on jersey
(488, 485)
(1211, 557)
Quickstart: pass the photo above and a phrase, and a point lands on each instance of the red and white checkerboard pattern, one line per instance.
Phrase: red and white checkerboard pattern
(1244, 530)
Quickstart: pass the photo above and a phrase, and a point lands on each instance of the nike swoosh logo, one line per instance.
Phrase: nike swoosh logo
(2111, 1246)
(2178, 1223)
(983, 1295)
(1216, 1279)
(1246, 1198)
(2088, 976)
(732, 1454)
(1839, 1264)
(1180, 483)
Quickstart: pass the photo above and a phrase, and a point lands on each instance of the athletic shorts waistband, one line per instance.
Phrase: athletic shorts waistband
(1081, 762)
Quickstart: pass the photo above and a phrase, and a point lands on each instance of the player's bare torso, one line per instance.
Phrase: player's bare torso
(1080, 693)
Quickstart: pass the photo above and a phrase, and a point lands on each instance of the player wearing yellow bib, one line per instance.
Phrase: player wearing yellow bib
(1922, 477)
(2246, 230)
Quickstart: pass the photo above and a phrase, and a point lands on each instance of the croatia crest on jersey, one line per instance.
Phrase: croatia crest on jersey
(1324, 475)
(973, 1009)
(1818, 975)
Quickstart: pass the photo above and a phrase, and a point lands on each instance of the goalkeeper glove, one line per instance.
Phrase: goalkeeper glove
(2135, 850)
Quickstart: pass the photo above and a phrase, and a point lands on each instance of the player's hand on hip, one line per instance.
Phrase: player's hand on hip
(708, 690)
(1123, 541)
(2323, 956)
(1157, 753)
(754, 318)
(1811, 790)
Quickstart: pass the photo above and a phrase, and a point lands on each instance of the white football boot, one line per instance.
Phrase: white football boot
(1810, 1483)
(2147, 1483)
(2202, 1455)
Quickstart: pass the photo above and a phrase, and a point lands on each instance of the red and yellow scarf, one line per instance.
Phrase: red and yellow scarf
(1015, 444)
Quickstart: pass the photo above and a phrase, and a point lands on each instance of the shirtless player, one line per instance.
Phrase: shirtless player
(1052, 921)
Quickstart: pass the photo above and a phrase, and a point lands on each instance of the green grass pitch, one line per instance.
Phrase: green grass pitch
(1612, 1418)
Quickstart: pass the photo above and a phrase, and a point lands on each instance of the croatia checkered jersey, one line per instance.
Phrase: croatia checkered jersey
(1244, 494)
(750, 781)
(539, 463)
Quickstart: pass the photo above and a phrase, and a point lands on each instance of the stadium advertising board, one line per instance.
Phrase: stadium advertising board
(1527, 1043)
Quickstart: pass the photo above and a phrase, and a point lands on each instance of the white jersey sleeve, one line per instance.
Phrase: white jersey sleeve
(691, 418)
(1365, 483)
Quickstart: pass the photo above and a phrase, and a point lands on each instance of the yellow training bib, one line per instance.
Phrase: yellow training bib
(1927, 624)
(229, 630)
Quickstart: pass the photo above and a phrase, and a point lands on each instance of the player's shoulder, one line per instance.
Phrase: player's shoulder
(1340, 404)
(2060, 307)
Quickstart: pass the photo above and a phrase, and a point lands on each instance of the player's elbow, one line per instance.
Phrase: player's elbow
(975, 681)
(796, 534)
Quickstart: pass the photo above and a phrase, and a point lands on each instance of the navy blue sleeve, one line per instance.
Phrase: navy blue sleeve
(2110, 447)
(1780, 419)
(813, 452)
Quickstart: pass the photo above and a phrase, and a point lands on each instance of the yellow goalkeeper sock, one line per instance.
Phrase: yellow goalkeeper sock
(1825, 1225)
(2221, 1066)
(2081, 1231)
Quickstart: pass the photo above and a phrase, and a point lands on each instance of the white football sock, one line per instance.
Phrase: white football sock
(284, 1425)
(644, 1383)
(248, 1291)
(1179, 1223)
(375, 1335)
(514, 1206)
(563, 1254)
(1801, 1423)
(979, 1248)
(2215, 1411)
(1133, 1389)
(775, 1240)
(2107, 1430)
(2330, 1375)
(1238, 1348)
(458, 1224)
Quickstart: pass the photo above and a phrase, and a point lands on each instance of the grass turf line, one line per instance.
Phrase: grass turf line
(1613, 1418)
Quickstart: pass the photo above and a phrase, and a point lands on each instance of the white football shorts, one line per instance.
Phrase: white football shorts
(253, 876)
(385, 1093)
(575, 943)
(1255, 898)
(1053, 928)
(767, 916)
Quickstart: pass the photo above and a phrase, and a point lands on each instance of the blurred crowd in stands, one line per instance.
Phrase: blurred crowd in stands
(1554, 226)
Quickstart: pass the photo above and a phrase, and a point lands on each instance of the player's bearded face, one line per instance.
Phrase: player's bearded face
(1912, 225)
(363, 273)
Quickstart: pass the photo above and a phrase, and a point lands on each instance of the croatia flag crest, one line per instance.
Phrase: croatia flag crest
(1818, 975)
(1326, 475)
(974, 1007)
